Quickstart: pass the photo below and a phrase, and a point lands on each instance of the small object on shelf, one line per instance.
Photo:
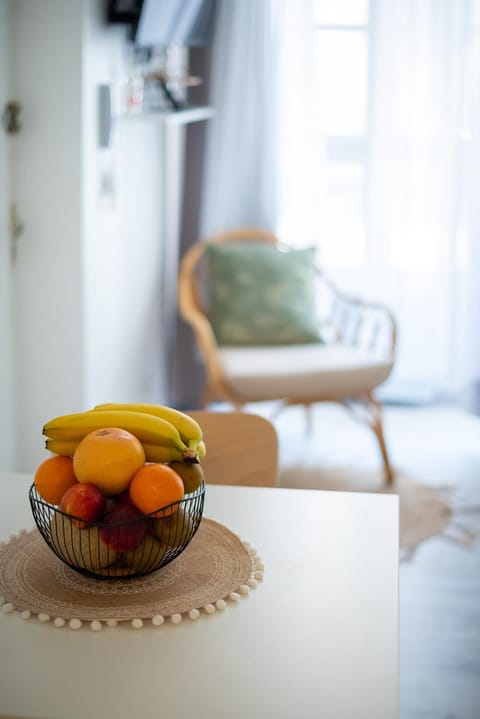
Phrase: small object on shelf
(162, 90)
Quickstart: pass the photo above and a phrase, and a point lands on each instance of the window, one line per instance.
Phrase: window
(342, 76)
(398, 91)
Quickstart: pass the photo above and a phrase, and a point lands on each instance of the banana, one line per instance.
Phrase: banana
(147, 428)
(188, 428)
(61, 446)
(201, 449)
(157, 453)
(153, 452)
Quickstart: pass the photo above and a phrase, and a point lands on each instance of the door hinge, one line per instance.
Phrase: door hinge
(11, 117)
(16, 229)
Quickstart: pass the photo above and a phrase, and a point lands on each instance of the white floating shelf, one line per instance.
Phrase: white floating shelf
(177, 117)
(167, 116)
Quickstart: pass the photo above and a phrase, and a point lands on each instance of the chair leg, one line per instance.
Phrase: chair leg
(308, 419)
(307, 406)
(369, 410)
(377, 426)
(207, 397)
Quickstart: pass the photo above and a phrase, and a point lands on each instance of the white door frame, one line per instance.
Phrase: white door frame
(6, 344)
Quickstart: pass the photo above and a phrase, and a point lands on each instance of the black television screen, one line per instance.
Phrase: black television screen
(166, 23)
(123, 12)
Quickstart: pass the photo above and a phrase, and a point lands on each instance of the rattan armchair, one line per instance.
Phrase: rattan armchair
(357, 357)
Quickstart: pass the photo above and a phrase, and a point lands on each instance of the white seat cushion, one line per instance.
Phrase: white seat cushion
(302, 371)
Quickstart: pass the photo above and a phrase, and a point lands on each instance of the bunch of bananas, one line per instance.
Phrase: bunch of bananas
(167, 435)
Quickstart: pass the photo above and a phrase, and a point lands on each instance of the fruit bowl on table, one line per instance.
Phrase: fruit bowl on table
(129, 545)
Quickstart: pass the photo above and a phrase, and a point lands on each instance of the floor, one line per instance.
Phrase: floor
(440, 584)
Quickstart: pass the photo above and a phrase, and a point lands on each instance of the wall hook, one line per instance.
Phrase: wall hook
(11, 117)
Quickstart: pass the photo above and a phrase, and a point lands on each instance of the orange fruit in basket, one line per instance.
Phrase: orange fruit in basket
(154, 487)
(53, 477)
(108, 458)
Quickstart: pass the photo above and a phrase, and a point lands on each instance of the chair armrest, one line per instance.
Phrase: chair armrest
(190, 310)
(360, 322)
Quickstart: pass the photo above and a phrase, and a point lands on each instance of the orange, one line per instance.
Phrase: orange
(156, 486)
(108, 458)
(53, 477)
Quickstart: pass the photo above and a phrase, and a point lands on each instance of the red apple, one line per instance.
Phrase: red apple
(123, 533)
(84, 501)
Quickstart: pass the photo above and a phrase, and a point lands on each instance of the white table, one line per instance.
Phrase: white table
(317, 639)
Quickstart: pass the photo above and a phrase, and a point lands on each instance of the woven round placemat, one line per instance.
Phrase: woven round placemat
(216, 566)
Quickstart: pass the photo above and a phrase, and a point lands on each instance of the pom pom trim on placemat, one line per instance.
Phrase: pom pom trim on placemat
(216, 569)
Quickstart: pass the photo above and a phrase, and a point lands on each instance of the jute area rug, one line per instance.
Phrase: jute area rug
(425, 511)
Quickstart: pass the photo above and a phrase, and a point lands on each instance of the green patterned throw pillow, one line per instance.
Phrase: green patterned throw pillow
(261, 295)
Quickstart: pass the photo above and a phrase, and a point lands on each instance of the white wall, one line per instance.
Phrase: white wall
(6, 395)
(86, 288)
(46, 185)
(123, 233)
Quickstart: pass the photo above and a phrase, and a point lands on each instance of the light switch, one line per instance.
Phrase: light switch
(104, 115)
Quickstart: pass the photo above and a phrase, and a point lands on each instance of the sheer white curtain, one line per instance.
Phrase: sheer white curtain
(240, 166)
(300, 149)
(424, 230)
(260, 142)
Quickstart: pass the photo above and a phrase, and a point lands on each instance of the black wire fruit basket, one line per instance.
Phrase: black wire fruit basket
(129, 548)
